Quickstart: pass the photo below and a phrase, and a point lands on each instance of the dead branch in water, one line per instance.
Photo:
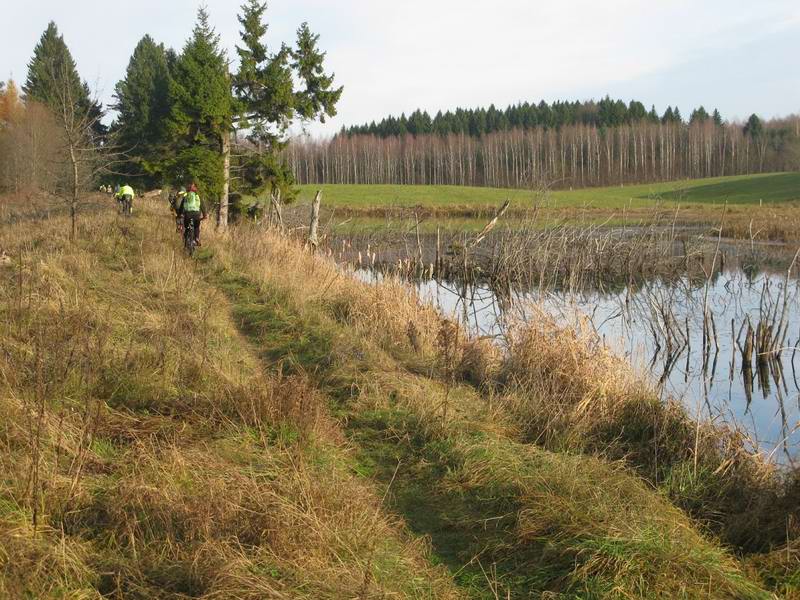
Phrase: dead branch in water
(490, 225)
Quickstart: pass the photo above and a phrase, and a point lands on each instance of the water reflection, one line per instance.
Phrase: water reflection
(726, 346)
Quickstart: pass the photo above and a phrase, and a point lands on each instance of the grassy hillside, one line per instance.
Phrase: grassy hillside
(256, 424)
(747, 189)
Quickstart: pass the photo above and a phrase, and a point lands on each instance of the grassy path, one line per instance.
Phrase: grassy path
(391, 446)
(507, 519)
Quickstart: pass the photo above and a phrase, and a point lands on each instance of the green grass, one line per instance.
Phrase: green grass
(746, 189)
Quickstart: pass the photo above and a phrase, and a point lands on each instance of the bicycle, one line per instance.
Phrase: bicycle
(189, 243)
(126, 206)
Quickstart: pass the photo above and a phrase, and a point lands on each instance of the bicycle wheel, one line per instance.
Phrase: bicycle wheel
(188, 239)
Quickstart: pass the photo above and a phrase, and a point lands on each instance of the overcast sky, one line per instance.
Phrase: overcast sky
(394, 56)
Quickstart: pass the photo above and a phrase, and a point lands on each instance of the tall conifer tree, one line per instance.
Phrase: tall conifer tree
(143, 106)
(268, 99)
(201, 111)
(51, 69)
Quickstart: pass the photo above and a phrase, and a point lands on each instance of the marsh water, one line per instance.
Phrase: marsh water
(695, 339)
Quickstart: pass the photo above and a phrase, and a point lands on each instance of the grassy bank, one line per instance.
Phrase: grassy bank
(256, 424)
(459, 463)
(697, 202)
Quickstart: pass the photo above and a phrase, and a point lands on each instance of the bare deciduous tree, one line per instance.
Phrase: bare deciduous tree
(577, 155)
(83, 154)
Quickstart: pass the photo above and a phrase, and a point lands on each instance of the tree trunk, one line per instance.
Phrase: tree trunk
(222, 218)
(313, 240)
(275, 199)
(73, 205)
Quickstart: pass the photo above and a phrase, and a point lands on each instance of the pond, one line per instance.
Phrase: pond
(725, 345)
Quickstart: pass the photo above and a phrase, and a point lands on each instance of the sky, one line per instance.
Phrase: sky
(391, 57)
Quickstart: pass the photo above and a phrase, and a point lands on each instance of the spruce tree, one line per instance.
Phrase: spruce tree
(636, 111)
(754, 127)
(273, 90)
(317, 98)
(699, 115)
(143, 106)
(200, 113)
(717, 118)
(51, 70)
(268, 98)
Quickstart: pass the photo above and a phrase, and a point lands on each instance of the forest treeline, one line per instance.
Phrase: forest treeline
(181, 117)
(525, 115)
(576, 153)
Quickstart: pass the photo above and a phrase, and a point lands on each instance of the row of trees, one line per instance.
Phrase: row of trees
(181, 116)
(572, 155)
(480, 121)
(187, 117)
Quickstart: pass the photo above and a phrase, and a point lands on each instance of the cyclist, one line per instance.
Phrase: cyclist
(193, 210)
(175, 204)
(126, 195)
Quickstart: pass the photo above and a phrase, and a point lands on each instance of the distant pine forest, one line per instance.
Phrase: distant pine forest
(563, 144)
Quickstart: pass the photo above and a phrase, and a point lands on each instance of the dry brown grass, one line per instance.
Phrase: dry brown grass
(570, 393)
(159, 459)
(382, 312)
(163, 461)
(763, 224)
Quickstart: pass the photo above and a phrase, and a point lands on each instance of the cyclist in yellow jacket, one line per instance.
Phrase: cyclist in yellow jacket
(193, 210)
(125, 195)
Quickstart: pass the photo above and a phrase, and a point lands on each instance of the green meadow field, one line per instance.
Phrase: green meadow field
(766, 204)
(773, 188)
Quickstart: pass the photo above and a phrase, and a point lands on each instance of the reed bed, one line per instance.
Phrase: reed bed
(571, 393)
